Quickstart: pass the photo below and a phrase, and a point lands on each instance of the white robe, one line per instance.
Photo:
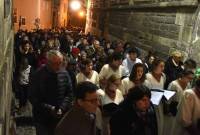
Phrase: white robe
(128, 64)
(152, 83)
(107, 71)
(171, 120)
(80, 77)
(105, 99)
(188, 112)
(126, 85)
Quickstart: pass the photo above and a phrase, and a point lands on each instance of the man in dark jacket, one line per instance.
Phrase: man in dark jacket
(173, 67)
(81, 119)
(50, 94)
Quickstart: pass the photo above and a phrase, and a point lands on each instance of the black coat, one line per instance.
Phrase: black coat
(49, 89)
(172, 72)
(126, 121)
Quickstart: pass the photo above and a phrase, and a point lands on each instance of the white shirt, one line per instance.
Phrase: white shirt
(107, 71)
(175, 86)
(128, 64)
(80, 77)
(24, 76)
(126, 85)
(152, 83)
(188, 112)
(105, 99)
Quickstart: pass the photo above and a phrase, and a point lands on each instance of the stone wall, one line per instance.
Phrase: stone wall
(6, 61)
(158, 25)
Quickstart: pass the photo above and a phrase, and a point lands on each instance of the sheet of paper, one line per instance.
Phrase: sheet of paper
(156, 97)
(168, 94)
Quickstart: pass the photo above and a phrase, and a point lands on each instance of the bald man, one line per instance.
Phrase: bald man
(50, 94)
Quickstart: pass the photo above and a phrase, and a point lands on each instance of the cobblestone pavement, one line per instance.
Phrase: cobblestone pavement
(24, 121)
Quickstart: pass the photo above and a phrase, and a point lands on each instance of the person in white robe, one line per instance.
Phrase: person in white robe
(111, 95)
(179, 86)
(156, 80)
(114, 67)
(131, 59)
(87, 74)
(137, 77)
(188, 116)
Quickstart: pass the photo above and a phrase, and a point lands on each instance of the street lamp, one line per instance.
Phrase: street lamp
(81, 13)
(75, 5)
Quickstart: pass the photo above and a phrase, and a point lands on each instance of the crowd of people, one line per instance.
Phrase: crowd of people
(81, 84)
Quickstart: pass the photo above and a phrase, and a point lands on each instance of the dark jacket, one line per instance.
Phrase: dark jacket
(49, 89)
(127, 121)
(76, 122)
(172, 72)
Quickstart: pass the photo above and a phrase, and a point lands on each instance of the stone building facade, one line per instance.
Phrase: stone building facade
(158, 25)
(6, 64)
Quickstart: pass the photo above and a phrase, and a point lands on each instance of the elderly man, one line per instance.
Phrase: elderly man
(81, 119)
(50, 94)
(173, 67)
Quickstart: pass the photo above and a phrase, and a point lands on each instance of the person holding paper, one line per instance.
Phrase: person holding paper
(179, 86)
(188, 116)
(156, 80)
(110, 101)
(136, 115)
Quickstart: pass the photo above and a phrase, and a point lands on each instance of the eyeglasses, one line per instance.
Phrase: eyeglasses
(93, 101)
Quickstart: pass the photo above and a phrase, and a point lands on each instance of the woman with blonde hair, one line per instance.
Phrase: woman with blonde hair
(110, 100)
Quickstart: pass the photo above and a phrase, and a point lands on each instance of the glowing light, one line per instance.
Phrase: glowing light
(81, 13)
(75, 5)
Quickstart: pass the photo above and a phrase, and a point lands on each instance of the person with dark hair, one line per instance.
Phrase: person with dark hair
(80, 120)
(87, 73)
(188, 116)
(136, 115)
(23, 81)
(179, 86)
(113, 67)
(190, 64)
(131, 59)
(148, 60)
(26, 51)
(118, 47)
(137, 77)
(156, 80)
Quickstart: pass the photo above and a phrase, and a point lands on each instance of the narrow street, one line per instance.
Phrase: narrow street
(24, 122)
